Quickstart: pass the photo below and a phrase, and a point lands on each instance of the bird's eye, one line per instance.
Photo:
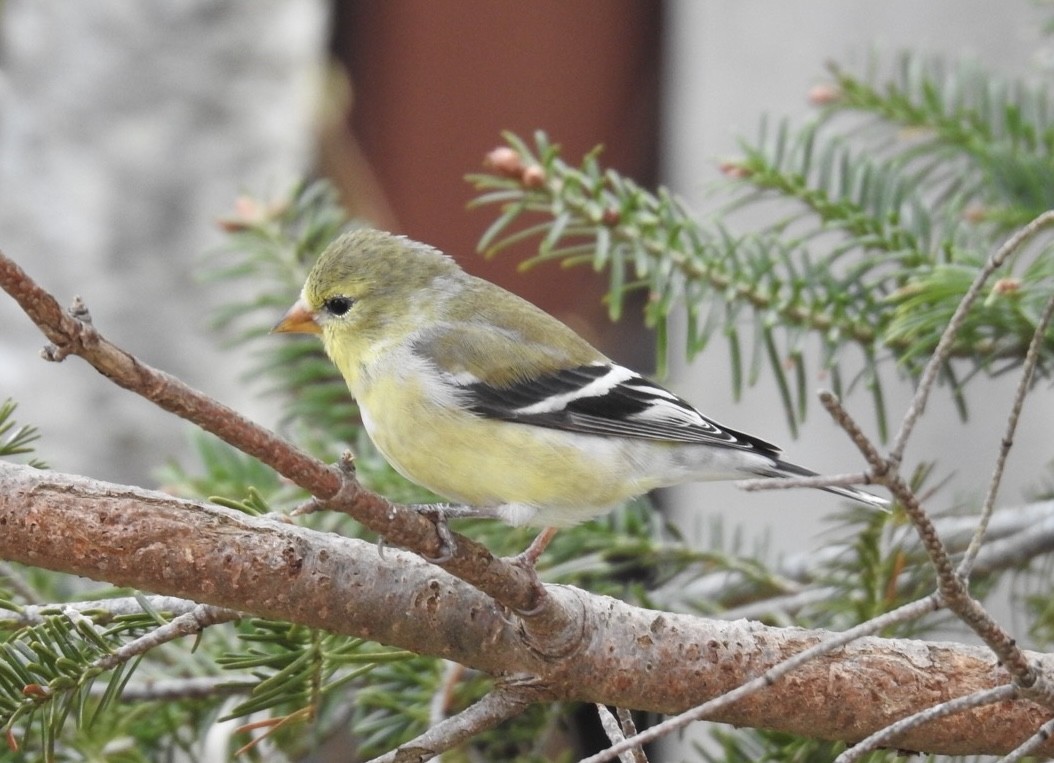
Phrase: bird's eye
(337, 305)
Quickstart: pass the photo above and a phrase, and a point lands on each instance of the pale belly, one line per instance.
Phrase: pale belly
(541, 476)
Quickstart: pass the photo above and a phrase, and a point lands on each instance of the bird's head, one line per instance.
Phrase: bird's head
(364, 281)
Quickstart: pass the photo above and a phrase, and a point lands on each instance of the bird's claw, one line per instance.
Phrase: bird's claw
(447, 544)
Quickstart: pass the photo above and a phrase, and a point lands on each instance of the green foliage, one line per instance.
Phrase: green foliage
(16, 440)
(882, 212)
(48, 676)
(302, 675)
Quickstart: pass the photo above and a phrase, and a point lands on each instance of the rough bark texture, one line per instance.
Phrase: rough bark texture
(612, 653)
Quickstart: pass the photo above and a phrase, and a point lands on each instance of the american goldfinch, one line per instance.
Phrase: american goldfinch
(483, 398)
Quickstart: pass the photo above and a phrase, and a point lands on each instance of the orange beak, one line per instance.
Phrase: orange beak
(300, 319)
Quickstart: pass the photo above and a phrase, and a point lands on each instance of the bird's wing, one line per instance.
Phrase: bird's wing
(568, 386)
(606, 399)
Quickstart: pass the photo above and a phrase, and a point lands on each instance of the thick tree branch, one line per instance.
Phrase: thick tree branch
(614, 654)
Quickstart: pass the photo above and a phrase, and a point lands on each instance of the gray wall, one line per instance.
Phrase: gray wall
(126, 129)
(729, 63)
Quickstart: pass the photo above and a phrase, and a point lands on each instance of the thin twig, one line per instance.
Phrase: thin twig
(951, 331)
(1024, 385)
(629, 728)
(952, 588)
(99, 609)
(498, 706)
(195, 621)
(885, 737)
(1031, 745)
(819, 480)
(615, 732)
(863, 443)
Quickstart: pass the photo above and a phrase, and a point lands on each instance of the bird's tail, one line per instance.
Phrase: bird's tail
(786, 469)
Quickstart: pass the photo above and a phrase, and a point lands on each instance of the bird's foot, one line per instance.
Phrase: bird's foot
(527, 560)
(438, 513)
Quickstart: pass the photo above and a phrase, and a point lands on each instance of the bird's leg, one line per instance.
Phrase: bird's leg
(529, 557)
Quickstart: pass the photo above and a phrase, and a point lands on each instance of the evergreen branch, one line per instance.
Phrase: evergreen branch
(49, 670)
(867, 201)
(998, 131)
(907, 275)
(300, 666)
(99, 610)
(16, 441)
(193, 622)
(628, 228)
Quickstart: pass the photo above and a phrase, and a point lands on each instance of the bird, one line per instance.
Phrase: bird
(488, 401)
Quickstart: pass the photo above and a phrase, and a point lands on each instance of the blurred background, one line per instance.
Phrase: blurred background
(127, 129)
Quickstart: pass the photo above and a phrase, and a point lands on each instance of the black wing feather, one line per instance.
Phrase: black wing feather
(633, 408)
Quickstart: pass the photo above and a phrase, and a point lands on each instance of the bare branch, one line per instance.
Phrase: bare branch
(1035, 744)
(629, 728)
(770, 678)
(615, 729)
(195, 621)
(953, 589)
(790, 483)
(500, 705)
(1024, 385)
(34, 614)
